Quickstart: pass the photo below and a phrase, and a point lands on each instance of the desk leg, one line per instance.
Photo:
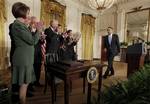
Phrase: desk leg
(99, 83)
(89, 93)
(52, 88)
(84, 81)
(66, 91)
(70, 86)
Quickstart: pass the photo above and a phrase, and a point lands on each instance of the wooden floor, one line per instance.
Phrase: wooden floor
(76, 97)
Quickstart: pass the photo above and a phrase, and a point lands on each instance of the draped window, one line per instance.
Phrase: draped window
(51, 9)
(2, 37)
(88, 31)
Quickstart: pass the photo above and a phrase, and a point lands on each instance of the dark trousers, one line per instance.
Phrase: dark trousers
(110, 68)
(37, 70)
(15, 87)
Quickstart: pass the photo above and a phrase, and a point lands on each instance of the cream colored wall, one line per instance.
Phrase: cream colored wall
(34, 7)
(73, 17)
(35, 11)
(115, 17)
(123, 9)
(104, 20)
(73, 20)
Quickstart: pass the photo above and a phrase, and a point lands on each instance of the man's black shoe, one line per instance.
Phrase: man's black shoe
(111, 74)
(29, 94)
(104, 76)
(38, 84)
(14, 98)
(31, 88)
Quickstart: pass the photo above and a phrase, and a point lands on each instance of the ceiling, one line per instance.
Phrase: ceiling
(122, 1)
(138, 18)
(85, 2)
(116, 1)
(137, 24)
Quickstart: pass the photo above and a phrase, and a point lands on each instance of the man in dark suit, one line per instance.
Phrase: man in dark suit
(37, 53)
(69, 43)
(112, 48)
(12, 44)
(51, 37)
(52, 42)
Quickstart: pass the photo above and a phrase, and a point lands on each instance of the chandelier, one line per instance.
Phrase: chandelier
(100, 4)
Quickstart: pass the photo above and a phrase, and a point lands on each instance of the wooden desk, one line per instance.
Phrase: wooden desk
(68, 73)
(123, 52)
(135, 62)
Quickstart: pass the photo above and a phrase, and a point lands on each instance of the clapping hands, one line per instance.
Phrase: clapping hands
(42, 36)
(40, 26)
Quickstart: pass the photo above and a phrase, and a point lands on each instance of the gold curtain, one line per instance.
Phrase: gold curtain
(2, 37)
(51, 9)
(88, 31)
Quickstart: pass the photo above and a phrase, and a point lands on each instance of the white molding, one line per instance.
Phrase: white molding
(81, 7)
(63, 2)
(134, 3)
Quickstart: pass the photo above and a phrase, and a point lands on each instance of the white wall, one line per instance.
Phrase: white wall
(123, 9)
(73, 16)
(116, 17)
(74, 12)
(106, 19)
(35, 6)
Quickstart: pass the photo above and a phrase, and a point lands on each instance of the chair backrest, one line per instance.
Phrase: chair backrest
(51, 58)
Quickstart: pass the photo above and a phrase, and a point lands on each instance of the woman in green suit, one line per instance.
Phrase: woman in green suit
(23, 57)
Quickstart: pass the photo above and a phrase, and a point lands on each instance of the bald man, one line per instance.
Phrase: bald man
(37, 52)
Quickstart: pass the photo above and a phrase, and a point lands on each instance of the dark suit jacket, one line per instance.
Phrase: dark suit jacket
(114, 48)
(69, 53)
(24, 44)
(52, 41)
(12, 42)
(38, 52)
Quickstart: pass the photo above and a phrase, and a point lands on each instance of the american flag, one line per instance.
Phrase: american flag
(43, 48)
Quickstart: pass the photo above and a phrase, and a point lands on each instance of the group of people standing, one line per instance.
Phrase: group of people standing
(59, 45)
(31, 45)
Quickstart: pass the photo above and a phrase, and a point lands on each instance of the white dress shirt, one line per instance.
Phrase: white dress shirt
(110, 38)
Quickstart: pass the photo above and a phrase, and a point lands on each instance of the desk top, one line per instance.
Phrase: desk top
(80, 65)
